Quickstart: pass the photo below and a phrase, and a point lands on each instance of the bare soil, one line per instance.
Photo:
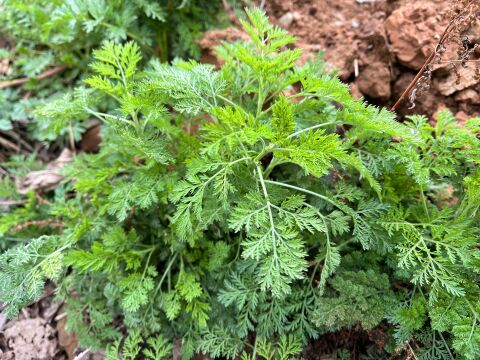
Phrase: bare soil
(39, 333)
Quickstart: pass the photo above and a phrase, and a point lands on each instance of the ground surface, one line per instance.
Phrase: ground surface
(377, 46)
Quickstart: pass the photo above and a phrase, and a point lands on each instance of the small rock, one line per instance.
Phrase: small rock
(355, 24)
(287, 19)
(374, 81)
(412, 29)
(50, 312)
(468, 95)
(31, 339)
(452, 84)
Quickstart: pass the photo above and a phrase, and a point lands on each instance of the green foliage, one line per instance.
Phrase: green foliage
(287, 347)
(245, 216)
(355, 297)
(24, 270)
(157, 348)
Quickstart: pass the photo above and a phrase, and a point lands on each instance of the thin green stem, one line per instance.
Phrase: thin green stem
(228, 101)
(136, 123)
(254, 355)
(424, 203)
(302, 190)
(446, 345)
(475, 318)
(167, 270)
(311, 128)
(104, 116)
(260, 97)
(275, 162)
(269, 207)
(147, 263)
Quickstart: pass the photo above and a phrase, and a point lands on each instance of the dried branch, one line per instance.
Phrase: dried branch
(12, 202)
(17, 82)
(8, 144)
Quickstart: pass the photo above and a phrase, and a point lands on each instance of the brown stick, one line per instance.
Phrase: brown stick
(11, 202)
(43, 75)
(19, 140)
(8, 144)
(427, 62)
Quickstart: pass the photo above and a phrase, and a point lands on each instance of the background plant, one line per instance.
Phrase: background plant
(42, 39)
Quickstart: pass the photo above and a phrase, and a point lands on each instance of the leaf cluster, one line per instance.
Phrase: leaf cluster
(252, 208)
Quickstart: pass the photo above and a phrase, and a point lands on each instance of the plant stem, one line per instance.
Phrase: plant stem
(260, 97)
(424, 203)
(302, 190)
(311, 128)
(167, 271)
(275, 162)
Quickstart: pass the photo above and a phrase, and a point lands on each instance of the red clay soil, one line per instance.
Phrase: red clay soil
(377, 46)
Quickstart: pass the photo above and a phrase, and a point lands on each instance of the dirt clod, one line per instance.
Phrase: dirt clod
(287, 19)
(413, 30)
(461, 79)
(374, 81)
(31, 339)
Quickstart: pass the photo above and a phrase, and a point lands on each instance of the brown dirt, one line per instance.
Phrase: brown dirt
(38, 333)
(356, 340)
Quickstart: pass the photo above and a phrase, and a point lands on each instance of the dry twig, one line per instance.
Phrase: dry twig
(8, 144)
(17, 82)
